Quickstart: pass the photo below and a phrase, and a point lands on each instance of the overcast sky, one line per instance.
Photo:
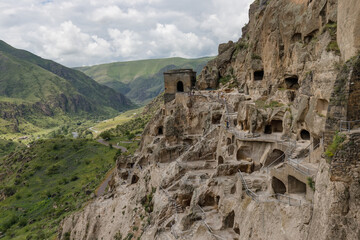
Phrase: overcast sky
(88, 32)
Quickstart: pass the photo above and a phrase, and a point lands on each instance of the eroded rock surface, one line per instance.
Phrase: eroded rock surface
(246, 161)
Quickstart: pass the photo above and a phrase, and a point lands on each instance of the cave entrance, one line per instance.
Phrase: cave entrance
(305, 135)
(276, 155)
(180, 86)
(277, 126)
(295, 185)
(229, 220)
(208, 199)
(268, 129)
(242, 154)
(259, 75)
(220, 160)
(160, 131)
(278, 186)
(216, 118)
(134, 179)
(292, 83)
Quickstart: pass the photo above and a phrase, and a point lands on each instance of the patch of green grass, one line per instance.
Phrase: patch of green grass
(334, 146)
(333, 47)
(224, 80)
(261, 103)
(47, 182)
(255, 57)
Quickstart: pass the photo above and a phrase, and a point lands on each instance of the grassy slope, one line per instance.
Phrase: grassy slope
(112, 123)
(140, 80)
(25, 82)
(38, 94)
(59, 79)
(51, 179)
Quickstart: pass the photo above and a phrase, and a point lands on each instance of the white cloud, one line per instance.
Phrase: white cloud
(82, 32)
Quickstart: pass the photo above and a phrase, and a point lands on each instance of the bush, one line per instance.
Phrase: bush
(117, 154)
(330, 151)
(106, 135)
(311, 183)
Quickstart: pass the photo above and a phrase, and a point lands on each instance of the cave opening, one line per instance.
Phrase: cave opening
(292, 83)
(278, 186)
(305, 135)
(259, 75)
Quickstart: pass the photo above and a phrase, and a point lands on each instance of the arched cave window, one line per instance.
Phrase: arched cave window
(278, 186)
(160, 131)
(220, 160)
(276, 155)
(180, 86)
(305, 135)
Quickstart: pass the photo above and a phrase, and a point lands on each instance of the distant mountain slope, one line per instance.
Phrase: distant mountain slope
(141, 80)
(31, 86)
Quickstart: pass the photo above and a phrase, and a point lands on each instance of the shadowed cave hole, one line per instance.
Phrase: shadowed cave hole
(276, 155)
(229, 220)
(305, 135)
(134, 179)
(259, 75)
(220, 160)
(216, 118)
(268, 129)
(160, 131)
(278, 186)
(292, 83)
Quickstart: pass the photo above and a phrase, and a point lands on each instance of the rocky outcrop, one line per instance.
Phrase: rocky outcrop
(245, 161)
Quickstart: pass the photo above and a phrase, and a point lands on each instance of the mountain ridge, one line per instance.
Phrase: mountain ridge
(140, 80)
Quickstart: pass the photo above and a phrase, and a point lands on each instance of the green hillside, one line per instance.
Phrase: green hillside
(42, 184)
(141, 80)
(39, 93)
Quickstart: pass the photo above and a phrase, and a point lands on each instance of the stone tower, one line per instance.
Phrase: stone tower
(178, 81)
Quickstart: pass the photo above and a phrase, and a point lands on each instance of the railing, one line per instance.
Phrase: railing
(287, 199)
(300, 167)
(347, 126)
(250, 193)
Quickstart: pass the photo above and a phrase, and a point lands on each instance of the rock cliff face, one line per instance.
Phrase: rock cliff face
(246, 161)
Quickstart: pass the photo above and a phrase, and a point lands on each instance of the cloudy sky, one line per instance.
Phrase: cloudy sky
(88, 32)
